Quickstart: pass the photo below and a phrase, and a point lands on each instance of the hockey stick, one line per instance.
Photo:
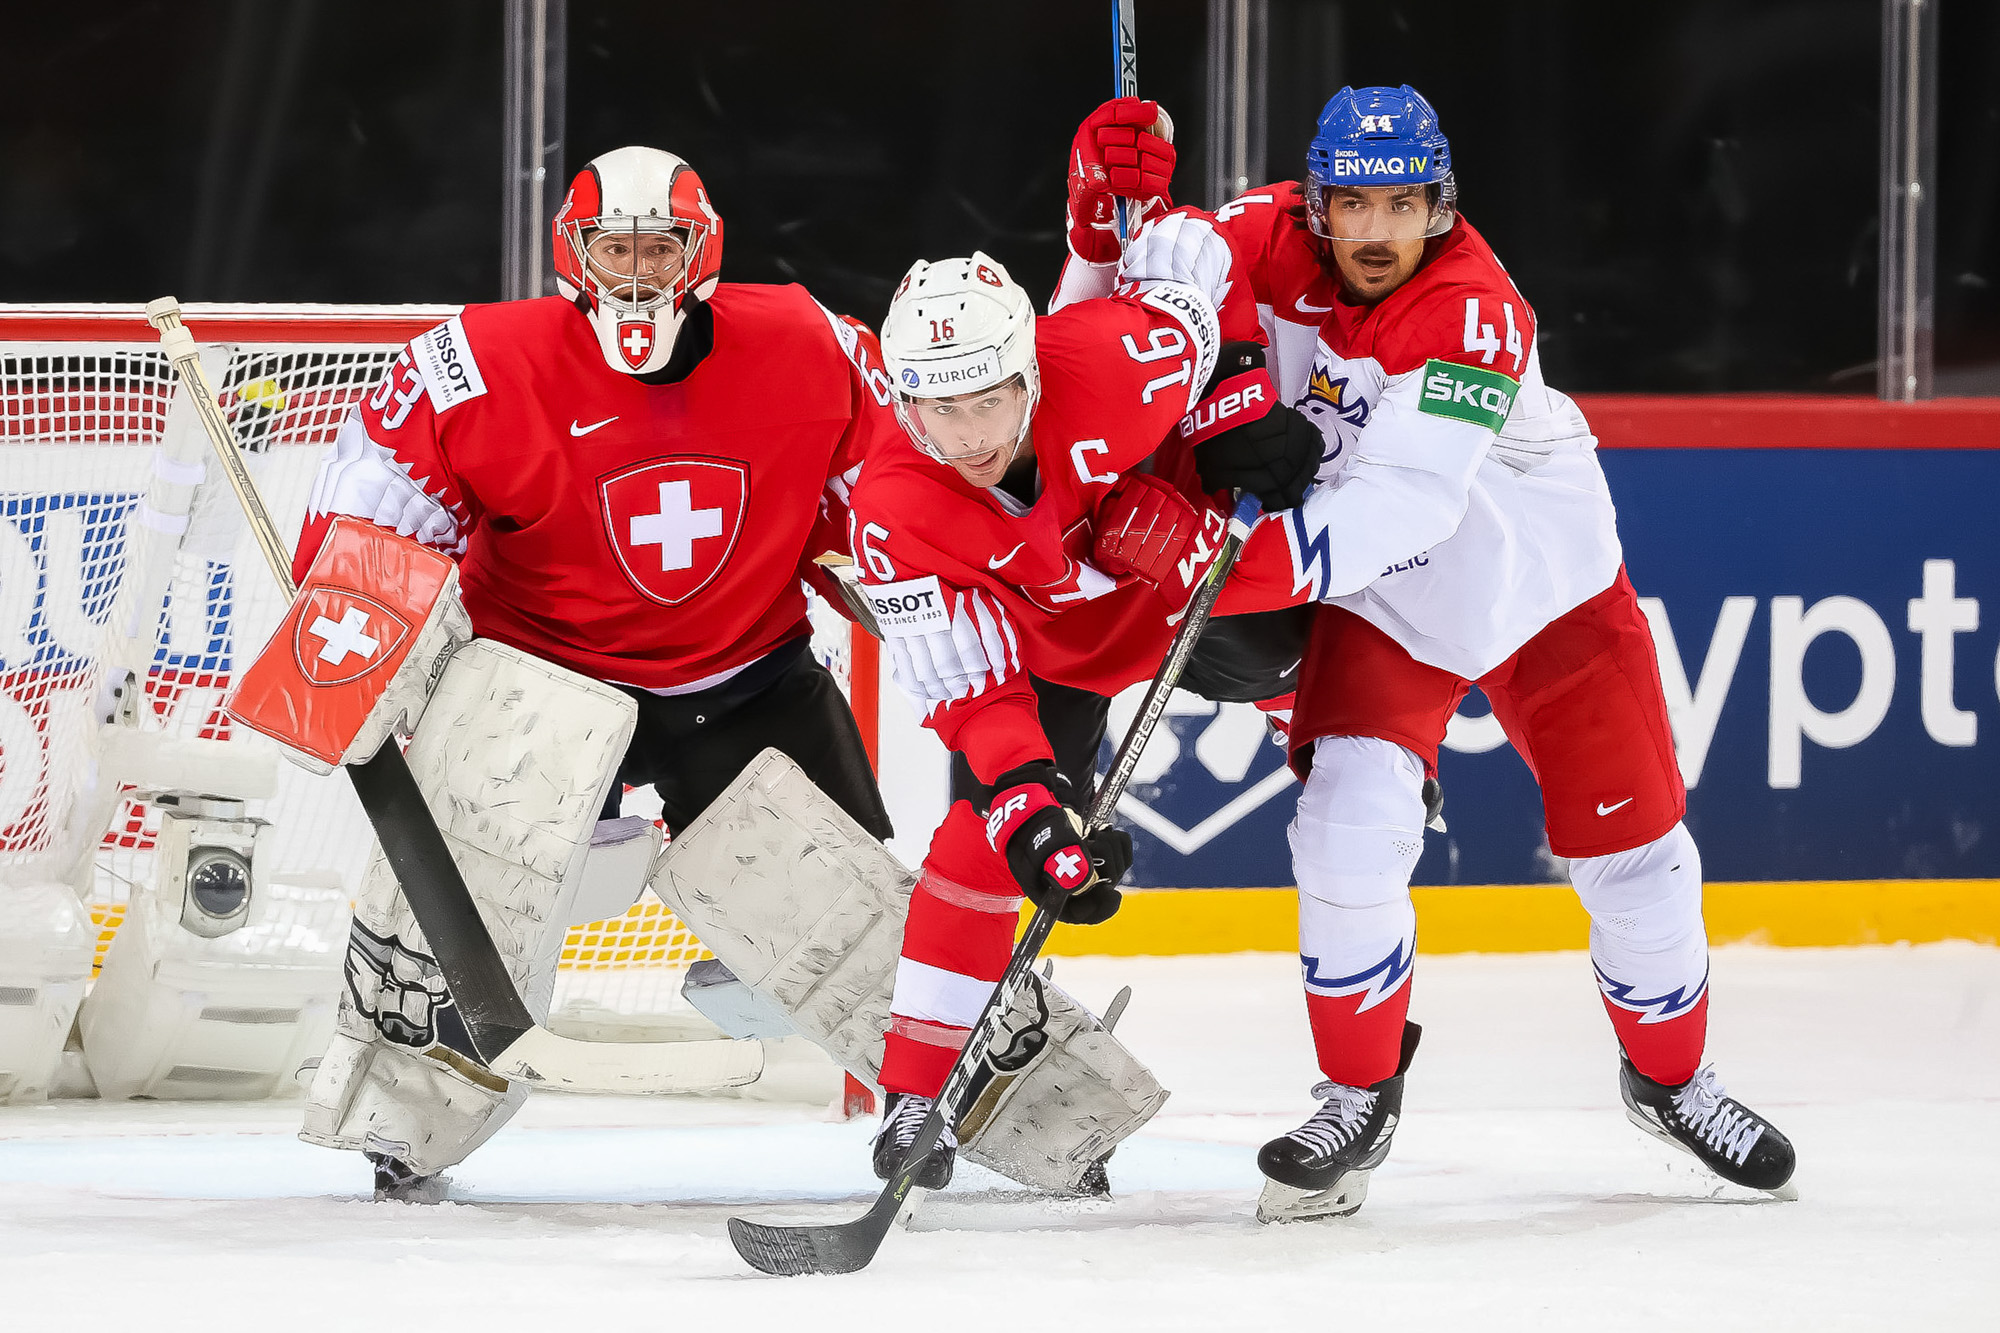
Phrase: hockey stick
(1124, 77)
(505, 1035)
(848, 1246)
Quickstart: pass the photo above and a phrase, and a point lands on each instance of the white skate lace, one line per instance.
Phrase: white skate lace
(1722, 1124)
(903, 1123)
(1345, 1110)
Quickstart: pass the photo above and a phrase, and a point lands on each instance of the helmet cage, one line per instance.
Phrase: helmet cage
(628, 294)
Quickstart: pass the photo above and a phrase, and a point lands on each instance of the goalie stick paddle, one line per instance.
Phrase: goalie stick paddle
(506, 1037)
(847, 1247)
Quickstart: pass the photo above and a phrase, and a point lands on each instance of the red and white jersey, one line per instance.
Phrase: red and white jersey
(974, 589)
(649, 535)
(1460, 506)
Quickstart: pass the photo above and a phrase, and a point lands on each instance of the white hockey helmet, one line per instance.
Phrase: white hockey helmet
(635, 239)
(956, 327)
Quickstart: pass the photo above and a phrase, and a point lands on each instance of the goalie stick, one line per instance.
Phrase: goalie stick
(507, 1038)
(847, 1247)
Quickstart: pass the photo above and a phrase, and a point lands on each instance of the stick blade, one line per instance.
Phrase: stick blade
(796, 1251)
(541, 1057)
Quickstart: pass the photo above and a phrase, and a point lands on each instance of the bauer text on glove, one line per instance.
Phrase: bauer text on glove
(1245, 440)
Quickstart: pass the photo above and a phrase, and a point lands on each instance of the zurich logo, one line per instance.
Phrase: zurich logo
(911, 378)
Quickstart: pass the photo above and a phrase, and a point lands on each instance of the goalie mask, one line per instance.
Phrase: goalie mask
(635, 240)
(959, 343)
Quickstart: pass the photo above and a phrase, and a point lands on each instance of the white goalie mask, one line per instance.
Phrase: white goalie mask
(635, 240)
(957, 331)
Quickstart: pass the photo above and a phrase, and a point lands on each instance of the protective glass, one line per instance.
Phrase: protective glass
(973, 424)
(634, 266)
(1376, 213)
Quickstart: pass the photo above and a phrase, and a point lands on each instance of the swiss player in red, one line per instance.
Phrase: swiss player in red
(1022, 571)
(1460, 533)
(634, 477)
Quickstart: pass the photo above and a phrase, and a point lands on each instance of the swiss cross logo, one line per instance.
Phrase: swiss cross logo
(342, 636)
(635, 342)
(673, 523)
(1067, 868)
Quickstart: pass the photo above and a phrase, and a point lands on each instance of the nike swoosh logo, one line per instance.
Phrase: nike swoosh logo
(1305, 309)
(992, 563)
(1604, 809)
(575, 429)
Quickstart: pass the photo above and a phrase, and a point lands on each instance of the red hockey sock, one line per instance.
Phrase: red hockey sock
(1667, 1052)
(1356, 1046)
(963, 918)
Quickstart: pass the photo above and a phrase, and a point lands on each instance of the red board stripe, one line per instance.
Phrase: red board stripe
(1789, 421)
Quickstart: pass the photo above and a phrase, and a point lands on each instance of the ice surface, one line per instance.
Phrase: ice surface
(1517, 1195)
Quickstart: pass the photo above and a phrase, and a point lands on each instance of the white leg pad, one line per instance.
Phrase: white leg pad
(799, 902)
(807, 910)
(1078, 1096)
(46, 948)
(514, 756)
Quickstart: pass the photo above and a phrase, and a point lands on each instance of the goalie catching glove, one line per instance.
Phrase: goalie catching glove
(1245, 440)
(1048, 851)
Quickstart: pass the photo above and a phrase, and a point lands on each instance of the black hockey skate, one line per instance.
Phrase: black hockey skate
(396, 1181)
(1321, 1169)
(902, 1116)
(1720, 1132)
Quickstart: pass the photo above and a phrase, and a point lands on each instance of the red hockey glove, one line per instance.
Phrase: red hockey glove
(1043, 842)
(1148, 530)
(1124, 149)
(1245, 439)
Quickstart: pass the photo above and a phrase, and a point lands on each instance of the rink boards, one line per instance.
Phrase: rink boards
(1823, 577)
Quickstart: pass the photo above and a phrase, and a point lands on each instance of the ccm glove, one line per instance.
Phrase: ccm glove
(1123, 150)
(1245, 440)
(1043, 842)
(1148, 530)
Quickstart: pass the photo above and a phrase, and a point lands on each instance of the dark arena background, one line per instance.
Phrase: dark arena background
(1762, 243)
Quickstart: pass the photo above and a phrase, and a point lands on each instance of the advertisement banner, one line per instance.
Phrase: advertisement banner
(1828, 625)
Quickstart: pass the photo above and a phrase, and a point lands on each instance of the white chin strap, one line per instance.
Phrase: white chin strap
(647, 335)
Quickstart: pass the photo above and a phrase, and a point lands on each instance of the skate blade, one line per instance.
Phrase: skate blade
(426, 1192)
(1788, 1192)
(1286, 1203)
(908, 1212)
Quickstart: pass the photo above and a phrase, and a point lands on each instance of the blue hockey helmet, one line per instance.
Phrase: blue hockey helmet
(1380, 136)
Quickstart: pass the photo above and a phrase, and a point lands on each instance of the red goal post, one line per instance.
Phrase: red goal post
(94, 581)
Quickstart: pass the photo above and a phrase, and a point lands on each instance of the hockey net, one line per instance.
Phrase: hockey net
(95, 582)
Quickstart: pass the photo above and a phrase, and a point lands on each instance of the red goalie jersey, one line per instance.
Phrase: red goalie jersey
(974, 589)
(645, 534)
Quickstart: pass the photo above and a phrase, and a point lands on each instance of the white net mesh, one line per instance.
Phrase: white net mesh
(84, 432)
